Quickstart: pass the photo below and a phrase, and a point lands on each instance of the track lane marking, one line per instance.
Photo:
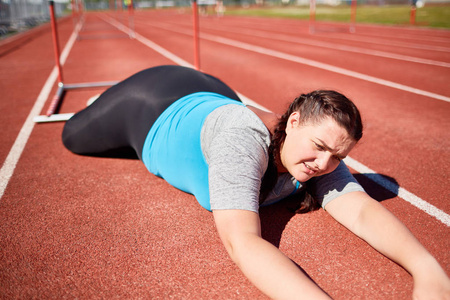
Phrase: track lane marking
(282, 36)
(327, 67)
(14, 154)
(357, 166)
(399, 191)
(371, 40)
(311, 63)
(376, 40)
(365, 37)
(328, 45)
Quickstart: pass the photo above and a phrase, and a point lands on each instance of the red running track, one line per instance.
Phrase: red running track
(83, 227)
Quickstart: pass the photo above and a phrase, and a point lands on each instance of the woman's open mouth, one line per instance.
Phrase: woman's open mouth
(309, 170)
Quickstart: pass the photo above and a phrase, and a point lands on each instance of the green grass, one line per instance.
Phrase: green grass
(429, 16)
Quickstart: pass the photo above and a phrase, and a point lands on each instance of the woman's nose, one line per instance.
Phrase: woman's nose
(323, 161)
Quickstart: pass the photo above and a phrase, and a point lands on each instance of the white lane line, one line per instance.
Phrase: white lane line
(413, 37)
(401, 192)
(148, 43)
(358, 37)
(328, 45)
(309, 62)
(14, 154)
(357, 166)
(371, 40)
(169, 55)
(378, 32)
(327, 67)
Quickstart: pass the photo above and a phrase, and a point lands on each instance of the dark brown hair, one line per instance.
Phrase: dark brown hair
(313, 108)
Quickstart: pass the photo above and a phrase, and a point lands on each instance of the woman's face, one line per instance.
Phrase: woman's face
(311, 150)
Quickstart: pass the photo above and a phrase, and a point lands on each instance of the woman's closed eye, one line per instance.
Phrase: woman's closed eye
(319, 147)
(323, 148)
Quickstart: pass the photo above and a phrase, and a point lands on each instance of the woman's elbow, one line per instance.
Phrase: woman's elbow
(244, 247)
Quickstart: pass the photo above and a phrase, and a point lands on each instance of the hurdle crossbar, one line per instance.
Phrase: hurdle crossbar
(51, 115)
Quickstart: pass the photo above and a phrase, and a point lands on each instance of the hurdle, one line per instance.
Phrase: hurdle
(412, 15)
(130, 18)
(312, 16)
(353, 16)
(117, 6)
(196, 37)
(130, 8)
(51, 115)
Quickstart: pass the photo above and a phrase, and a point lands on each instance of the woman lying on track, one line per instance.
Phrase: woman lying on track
(192, 130)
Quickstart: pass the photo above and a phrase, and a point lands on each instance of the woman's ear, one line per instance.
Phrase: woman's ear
(293, 121)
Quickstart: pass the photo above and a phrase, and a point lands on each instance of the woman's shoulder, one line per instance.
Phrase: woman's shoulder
(238, 119)
(234, 128)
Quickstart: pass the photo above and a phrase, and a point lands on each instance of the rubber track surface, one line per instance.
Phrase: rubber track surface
(87, 228)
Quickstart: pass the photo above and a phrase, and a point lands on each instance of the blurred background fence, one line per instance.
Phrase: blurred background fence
(20, 15)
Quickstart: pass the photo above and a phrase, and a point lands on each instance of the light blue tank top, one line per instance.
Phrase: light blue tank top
(172, 148)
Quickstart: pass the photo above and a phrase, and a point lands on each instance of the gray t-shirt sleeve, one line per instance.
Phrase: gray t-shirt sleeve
(328, 187)
(235, 143)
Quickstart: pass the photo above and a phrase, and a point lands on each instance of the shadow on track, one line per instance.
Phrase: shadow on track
(125, 153)
(274, 218)
(376, 191)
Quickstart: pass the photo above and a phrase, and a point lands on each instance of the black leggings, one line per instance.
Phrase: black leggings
(122, 116)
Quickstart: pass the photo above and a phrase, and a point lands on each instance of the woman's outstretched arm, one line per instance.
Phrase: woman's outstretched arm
(369, 220)
(260, 261)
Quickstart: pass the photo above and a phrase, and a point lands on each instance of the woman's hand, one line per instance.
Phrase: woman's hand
(369, 220)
